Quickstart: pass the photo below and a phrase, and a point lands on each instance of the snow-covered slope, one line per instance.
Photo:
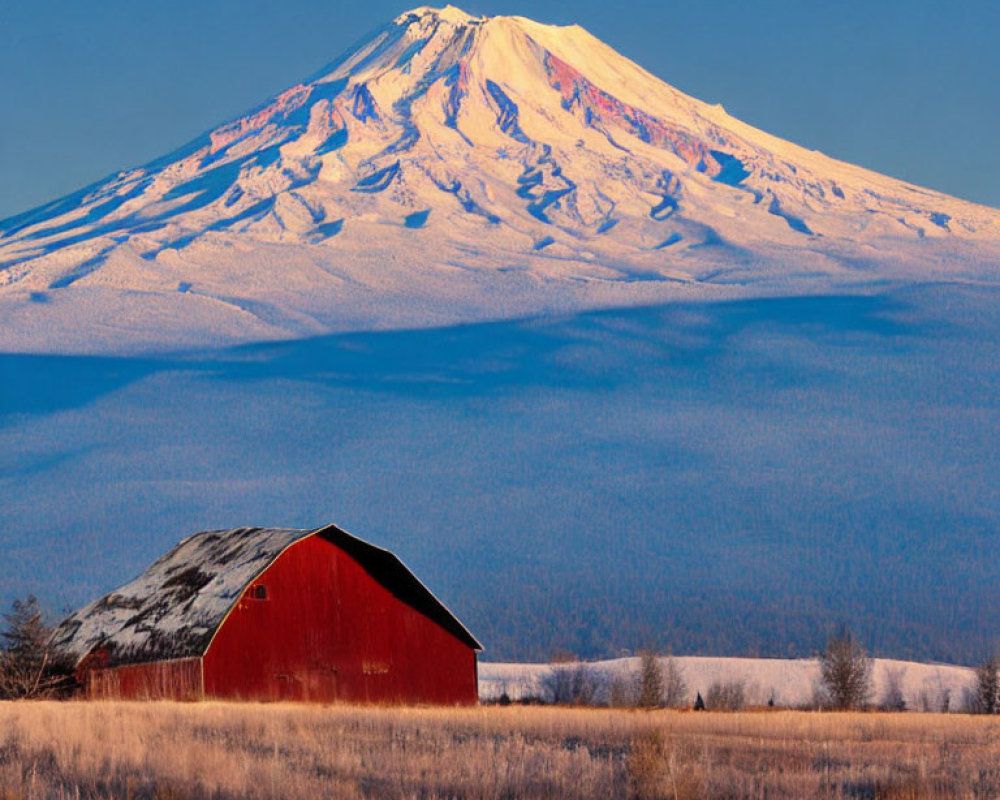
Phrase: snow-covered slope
(454, 168)
(788, 681)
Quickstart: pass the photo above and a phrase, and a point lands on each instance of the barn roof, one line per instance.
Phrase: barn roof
(173, 609)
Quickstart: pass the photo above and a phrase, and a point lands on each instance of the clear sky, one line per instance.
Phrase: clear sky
(907, 87)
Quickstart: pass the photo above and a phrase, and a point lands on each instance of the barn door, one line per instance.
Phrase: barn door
(321, 684)
(288, 686)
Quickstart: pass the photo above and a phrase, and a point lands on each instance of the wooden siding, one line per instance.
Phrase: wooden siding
(327, 631)
(160, 680)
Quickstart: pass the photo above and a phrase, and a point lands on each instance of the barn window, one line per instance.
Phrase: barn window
(259, 592)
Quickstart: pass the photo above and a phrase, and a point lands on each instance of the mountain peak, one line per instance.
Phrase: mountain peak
(449, 13)
(455, 168)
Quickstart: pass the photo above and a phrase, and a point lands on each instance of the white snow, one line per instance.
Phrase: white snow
(790, 682)
(509, 133)
(161, 614)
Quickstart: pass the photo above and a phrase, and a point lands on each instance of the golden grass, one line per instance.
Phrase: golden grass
(228, 750)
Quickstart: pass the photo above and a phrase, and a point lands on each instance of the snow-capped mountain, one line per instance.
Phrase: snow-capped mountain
(454, 168)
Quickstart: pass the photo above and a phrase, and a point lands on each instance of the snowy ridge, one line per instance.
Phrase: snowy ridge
(790, 682)
(454, 168)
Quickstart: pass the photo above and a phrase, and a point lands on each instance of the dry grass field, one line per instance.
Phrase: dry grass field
(284, 752)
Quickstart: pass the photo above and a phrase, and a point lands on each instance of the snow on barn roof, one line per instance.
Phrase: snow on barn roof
(173, 609)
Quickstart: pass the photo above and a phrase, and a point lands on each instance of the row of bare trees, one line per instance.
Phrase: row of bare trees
(845, 683)
(845, 672)
(846, 680)
(656, 684)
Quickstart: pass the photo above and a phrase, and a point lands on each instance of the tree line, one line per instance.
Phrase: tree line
(845, 683)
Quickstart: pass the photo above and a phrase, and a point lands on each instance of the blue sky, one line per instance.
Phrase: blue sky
(910, 88)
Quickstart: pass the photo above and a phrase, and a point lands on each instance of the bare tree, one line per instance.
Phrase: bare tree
(935, 695)
(569, 682)
(986, 696)
(29, 666)
(726, 696)
(674, 686)
(621, 689)
(943, 696)
(650, 694)
(845, 673)
(892, 694)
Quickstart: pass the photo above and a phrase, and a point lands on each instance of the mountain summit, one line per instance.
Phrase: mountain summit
(455, 168)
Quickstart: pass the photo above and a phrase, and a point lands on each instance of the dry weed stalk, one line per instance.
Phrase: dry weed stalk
(219, 751)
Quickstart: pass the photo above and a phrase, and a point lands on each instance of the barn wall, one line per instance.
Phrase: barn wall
(161, 680)
(328, 631)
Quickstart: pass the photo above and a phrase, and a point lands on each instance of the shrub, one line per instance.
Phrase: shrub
(674, 686)
(726, 696)
(892, 695)
(569, 683)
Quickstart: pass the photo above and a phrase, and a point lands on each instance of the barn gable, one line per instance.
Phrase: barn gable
(174, 609)
(393, 574)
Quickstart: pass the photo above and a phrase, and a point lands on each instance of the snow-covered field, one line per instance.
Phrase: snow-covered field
(790, 682)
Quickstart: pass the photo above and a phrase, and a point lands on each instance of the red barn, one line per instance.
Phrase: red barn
(274, 614)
